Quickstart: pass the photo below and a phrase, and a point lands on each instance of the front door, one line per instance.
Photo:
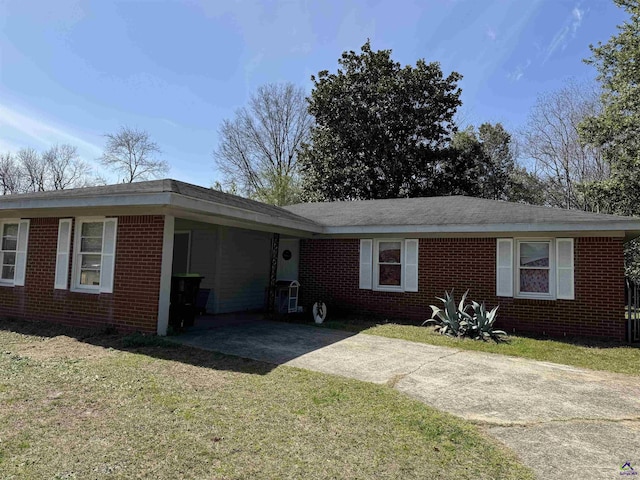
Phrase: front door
(288, 258)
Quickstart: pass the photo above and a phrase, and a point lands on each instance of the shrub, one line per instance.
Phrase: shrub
(456, 321)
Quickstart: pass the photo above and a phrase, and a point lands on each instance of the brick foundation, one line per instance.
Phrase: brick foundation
(329, 271)
(133, 305)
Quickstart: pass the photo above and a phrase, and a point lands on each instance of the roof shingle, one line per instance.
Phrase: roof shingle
(453, 210)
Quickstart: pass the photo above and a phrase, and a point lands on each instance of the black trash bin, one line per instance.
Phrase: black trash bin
(184, 295)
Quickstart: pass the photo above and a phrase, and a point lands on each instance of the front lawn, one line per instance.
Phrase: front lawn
(127, 407)
(611, 357)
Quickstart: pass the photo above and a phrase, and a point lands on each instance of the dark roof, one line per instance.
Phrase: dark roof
(431, 214)
(453, 210)
(160, 186)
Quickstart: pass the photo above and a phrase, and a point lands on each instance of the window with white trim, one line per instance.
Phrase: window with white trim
(90, 253)
(93, 259)
(8, 252)
(534, 268)
(388, 264)
(540, 268)
(14, 239)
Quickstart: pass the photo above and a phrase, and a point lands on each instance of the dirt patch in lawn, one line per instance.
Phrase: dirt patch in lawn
(62, 347)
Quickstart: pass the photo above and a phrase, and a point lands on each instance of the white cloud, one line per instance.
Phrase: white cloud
(26, 129)
(518, 73)
(577, 15)
(491, 34)
(562, 37)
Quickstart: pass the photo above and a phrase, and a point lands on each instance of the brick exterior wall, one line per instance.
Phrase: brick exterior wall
(133, 305)
(329, 270)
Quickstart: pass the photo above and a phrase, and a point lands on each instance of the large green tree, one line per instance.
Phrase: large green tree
(497, 145)
(616, 129)
(487, 167)
(382, 130)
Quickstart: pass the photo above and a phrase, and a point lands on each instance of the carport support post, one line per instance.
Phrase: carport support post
(275, 246)
(164, 298)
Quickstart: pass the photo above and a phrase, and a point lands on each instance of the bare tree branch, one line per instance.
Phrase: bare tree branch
(131, 153)
(552, 140)
(258, 149)
(34, 170)
(11, 177)
(65, 169)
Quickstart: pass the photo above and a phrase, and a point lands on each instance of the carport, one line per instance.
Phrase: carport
(241, 249)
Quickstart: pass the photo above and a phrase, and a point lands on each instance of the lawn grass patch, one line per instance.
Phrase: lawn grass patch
(594, 355)
(150, 411)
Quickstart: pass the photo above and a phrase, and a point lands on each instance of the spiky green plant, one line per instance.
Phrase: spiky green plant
(452, 320)
(484, 321)
(455, 321)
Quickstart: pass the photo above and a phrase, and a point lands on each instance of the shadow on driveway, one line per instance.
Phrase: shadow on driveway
(262, 340)
(257, 346)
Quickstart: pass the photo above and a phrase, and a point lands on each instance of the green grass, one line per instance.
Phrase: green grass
(612, 357)
(120, 407)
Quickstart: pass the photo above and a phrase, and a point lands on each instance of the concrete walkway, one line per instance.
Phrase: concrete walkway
(562, 421)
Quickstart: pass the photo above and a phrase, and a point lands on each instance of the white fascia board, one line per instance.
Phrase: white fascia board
(161, 199)
(130, 200)
(211, 208)
(488, 229)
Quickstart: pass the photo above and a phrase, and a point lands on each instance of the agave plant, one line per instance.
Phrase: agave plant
(484, 323)
(455, 321)
(452, 320)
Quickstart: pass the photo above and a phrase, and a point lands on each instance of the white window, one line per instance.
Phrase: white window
(13, 251)
(9, 249)
(94, 251)
(534, 269)
(389, 265)
(541, 268)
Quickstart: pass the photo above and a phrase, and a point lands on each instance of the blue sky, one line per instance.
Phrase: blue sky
(71, 71)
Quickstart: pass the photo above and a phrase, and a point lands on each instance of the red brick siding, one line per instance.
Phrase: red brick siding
(133, 305)
(329, 270)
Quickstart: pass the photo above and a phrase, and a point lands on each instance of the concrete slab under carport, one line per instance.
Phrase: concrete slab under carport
(564, 422)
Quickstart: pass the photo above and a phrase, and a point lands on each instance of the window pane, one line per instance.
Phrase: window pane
(390, 275)
(9, 258)
(91, 244)
(93, 229)
(10, 230)
(534, 254)
(534, 281)
(89, 277)
(389, 252)
(10, 236)
(90, 261)
(8, 272)
(9, 243)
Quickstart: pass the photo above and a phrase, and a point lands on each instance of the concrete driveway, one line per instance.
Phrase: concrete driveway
(564, 422)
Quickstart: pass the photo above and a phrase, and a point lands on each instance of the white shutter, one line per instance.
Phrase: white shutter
(21, 252)
(108, 255)
(366, 264)
(411, 265)
(62, 256)
(564, 268)
(504, 267)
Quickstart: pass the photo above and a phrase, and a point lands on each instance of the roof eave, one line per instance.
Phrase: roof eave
(89, 201)
(218, 209)
(631, 228)
(157, 199)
